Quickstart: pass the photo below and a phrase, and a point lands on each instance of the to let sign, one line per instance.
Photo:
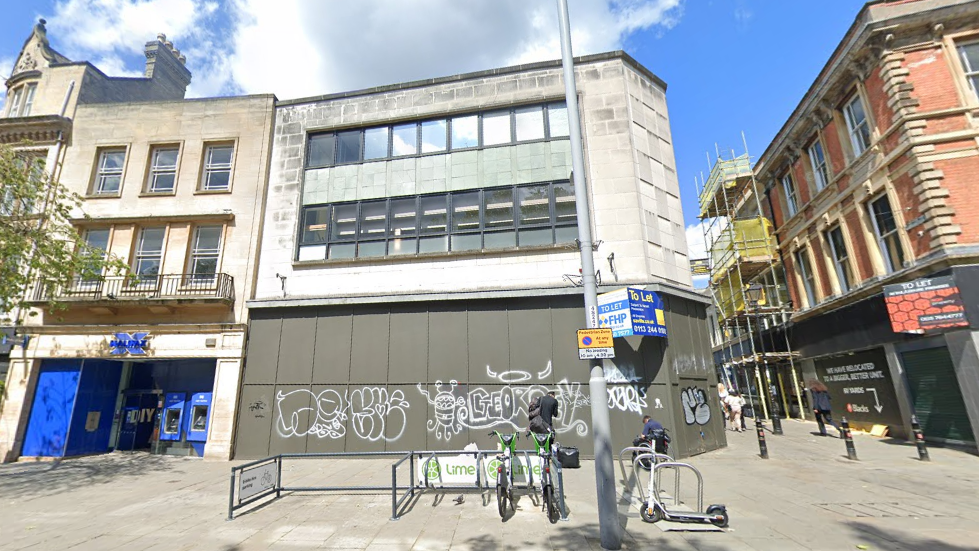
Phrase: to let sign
(595, 344)
(632, 311)
(924, 305)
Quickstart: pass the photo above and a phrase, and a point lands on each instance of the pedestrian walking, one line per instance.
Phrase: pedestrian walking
(821, 406)
(734, 404)
(722, 395)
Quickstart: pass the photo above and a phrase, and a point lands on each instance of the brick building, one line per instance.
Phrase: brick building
(871, 184)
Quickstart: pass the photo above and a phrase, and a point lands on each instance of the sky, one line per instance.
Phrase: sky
(731, 66)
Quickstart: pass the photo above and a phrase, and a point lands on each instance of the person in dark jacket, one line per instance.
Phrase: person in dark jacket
(821, 406)
(548, 409)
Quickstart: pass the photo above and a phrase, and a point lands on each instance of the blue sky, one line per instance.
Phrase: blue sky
(731, 65)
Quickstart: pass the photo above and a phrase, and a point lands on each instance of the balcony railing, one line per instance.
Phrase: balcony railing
(141, 288)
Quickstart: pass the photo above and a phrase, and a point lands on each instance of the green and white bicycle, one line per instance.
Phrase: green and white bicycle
(542, 442)
(504, 472)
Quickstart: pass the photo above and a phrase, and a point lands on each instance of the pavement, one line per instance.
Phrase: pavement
(807, 496)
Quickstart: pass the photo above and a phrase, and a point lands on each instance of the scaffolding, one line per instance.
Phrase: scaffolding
(744, 264)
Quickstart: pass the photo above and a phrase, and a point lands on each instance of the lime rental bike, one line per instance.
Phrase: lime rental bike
(542, 442)
(504, 472)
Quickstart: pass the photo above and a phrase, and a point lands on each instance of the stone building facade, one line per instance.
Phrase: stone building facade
(175, 188)
(416, 282)
(871, 183)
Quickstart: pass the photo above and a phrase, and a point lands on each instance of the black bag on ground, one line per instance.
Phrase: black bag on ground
(568, 456)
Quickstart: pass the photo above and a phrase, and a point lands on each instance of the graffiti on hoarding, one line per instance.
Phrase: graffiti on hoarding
(374, 413)
(695, 407)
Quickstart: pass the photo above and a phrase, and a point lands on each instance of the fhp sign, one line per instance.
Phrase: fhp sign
(632, 311)
(595, 344)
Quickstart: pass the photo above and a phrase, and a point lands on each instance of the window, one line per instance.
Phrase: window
(205, 252)
(808, 278)
(970, 64)
(20, 100)
(492, 218)
(818, 161)
(108, 176)
(474, 130)
(149, 254)
(163, 170)
(97, 246)
(13, 102)
(841, 258)
(887, 235)
(25, 108)
(217, 168)
(857, 125)
(791, 203)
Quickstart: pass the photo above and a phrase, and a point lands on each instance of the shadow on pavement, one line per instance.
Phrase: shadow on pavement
(581, 536)
(873, 535)
(40, 479)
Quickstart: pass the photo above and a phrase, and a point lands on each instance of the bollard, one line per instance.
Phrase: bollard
(919, 439)
(851, 452)
(760, 430)
(776, 422)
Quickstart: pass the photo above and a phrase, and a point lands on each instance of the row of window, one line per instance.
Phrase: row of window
(490, 218)
(161, 171)
(20, 100)
(888, 241)
(203, 257)
(521, 124)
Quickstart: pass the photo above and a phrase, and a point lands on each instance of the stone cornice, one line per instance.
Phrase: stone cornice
(39, 129)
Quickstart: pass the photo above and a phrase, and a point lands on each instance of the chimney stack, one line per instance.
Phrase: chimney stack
(165, 63)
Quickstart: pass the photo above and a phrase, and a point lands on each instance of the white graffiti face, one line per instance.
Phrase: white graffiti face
(695, 407)
(374, 413)
(479, 408)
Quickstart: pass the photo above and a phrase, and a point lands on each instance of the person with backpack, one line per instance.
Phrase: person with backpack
(543, 410)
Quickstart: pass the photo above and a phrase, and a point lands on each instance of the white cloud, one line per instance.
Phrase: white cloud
(297, 48)
(6, 67)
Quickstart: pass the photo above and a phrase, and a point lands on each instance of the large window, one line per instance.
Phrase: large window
(808, 278)
(521, 124)
(204, 253)
(217, 167)
(108, 175)
(817, 158)
(163, 170)
(492, 218)
(857, 124)
(791, 198)
(841, 259)
(887, 236)
(97, 243)
(970, 64)
(20, 101)
(149, 254)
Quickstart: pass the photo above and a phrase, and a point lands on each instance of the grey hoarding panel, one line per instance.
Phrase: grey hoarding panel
(295, 417)
(330, 425)
(255, 417)
(448, 357)
(331, 361)
(263, 350)
(489, 342)
(296, 349)
(565, 323)
(378, 414)
(408, 362)
(412, 420)
(530, 339)
(369, 348)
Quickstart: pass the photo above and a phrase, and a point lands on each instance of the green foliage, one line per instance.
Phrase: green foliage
(37, 239)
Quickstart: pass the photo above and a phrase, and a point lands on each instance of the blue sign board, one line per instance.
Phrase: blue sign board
(632, 311)
(124, 343)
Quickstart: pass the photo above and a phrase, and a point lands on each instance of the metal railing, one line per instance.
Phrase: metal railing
(247, 485)
(139, 287)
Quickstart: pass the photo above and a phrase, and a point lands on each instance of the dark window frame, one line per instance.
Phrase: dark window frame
(324, 238)
(512, 110)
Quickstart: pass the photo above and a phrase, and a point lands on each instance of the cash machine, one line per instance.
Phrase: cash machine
(197, 421)
(171, 429)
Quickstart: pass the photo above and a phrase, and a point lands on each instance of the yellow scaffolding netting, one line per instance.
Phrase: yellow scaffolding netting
(744, 240)
(726, 174)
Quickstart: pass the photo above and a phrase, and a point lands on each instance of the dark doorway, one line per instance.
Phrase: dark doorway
(138, 420)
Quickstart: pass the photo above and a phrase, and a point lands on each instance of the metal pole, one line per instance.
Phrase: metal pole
(608, 521)
(231, 497)
(851, 452)
(760, 431)
(919, 439)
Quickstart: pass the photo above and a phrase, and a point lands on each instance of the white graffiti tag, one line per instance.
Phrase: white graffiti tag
(695, 408)
(627, 398)
(480, 408)
(374, 413)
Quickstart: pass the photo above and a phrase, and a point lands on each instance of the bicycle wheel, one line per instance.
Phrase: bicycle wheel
(501, 499)
(550, 506)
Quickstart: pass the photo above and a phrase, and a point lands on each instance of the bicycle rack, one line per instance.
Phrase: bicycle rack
(678, 466)
(644, 452)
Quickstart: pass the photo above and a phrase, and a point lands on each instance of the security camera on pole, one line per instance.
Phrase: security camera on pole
(608, 521)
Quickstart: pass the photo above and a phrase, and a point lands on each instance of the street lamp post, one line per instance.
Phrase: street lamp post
(754, 295)
(608, 519)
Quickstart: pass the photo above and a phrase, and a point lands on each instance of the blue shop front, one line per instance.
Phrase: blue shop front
(127, 402)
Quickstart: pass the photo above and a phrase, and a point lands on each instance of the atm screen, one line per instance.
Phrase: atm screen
(199, 418)
(171, 423)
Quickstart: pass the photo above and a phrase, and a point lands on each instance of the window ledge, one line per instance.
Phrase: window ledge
(211, 191)
(103, 196)
(510, 251)
(158, 193)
